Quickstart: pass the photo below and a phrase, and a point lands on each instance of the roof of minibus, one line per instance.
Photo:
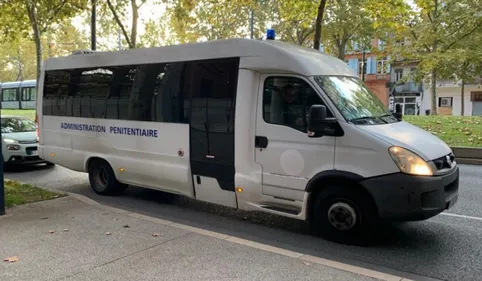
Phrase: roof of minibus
(260, 55)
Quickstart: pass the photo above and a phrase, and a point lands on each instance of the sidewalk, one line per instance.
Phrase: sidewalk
(95, 242)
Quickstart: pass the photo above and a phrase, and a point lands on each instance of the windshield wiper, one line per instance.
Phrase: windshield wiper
(367, 118)
(387, 115)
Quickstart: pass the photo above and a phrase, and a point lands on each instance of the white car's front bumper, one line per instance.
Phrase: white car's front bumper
(21, 153)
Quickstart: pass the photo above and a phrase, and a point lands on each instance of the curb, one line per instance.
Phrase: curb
(467, 155)
(299, 256)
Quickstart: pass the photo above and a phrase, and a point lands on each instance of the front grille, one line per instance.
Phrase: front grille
(31, 150)
(444, 162)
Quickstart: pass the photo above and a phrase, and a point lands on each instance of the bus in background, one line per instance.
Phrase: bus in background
(18, 94)
(258, 125)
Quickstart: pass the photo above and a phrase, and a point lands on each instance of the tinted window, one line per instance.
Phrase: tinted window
(17, 125)
(55, 93)
(88, 89)
(287, 101)
(9, 95)
(212, 88)
(148, 92)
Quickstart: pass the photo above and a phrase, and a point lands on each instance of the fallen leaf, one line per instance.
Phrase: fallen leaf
(306, 263)
(155, 235)
(51, 231)
(65, 230)
(126, 226)
(11, 259)
(108, 233)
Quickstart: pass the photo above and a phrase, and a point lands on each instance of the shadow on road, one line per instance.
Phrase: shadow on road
(26, 168)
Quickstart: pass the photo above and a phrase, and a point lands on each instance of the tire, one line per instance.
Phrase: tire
(102, 179)
(344, 215)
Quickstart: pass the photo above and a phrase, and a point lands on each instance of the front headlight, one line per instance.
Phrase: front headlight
(409, 162)
(10, 141)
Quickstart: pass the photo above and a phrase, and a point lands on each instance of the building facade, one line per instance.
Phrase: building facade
(410, 95)
(375, 71)
(449, 97)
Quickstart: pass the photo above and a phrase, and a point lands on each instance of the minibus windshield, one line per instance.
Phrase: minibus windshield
(354, 100)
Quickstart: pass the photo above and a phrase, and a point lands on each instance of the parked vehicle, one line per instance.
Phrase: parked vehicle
(19, 141)
(249, 124)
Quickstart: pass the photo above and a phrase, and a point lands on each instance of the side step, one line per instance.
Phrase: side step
(282, 210)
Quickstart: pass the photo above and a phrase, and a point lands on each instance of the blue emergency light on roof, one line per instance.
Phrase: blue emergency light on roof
(270, 34)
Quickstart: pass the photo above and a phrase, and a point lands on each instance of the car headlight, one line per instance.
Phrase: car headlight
(10, 141)
(409, 162)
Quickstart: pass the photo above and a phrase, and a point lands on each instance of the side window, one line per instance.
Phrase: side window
(287, 101)
(55, 92)
(29, 94)
(26, 94)
(9, 95)
(117, 104)
(88, 89)
(212, 88)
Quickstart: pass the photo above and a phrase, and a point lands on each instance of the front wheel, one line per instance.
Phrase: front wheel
(344, 215)
(102, 179)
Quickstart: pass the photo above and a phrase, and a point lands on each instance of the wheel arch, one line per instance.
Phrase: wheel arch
(91, 159)
(325, 179)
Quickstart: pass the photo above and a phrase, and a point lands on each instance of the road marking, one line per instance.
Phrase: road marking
(461, 216)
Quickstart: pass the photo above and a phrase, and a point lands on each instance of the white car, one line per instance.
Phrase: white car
(19, 141)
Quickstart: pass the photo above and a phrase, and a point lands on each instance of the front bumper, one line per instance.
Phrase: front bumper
(27, 154)
(409, 198)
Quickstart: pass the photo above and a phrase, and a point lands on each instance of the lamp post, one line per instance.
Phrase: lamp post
(2, 184)
(92, 26)
(364, 61)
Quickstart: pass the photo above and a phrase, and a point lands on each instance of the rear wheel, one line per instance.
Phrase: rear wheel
(344, 215)
(102, 179)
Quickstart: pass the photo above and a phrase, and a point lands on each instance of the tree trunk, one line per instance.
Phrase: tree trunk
(32, 15)
(433, 89)
(462, 98)
(341, 49)
(135, 18)
(19, 65)
(319, 22)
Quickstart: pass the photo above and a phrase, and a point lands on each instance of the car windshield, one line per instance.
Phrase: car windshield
(353, 99)
(17, 125)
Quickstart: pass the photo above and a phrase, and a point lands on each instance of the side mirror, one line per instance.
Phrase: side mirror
(316, 119)
(398, 112)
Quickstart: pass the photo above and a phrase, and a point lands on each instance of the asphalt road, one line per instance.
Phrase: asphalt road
(446, 247)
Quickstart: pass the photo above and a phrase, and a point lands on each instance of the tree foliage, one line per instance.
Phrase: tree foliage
(433, 33)
(195, 20)
(33, 18)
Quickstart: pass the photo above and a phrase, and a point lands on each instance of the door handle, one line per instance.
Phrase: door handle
(260, 142)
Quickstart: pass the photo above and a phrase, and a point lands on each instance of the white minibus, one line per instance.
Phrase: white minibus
(257, 125)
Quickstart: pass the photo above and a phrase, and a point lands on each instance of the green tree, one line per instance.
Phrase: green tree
(432, 33)
(194, 20)
(119, 12)
(34, 18)
(17, 60)
(295, 21)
